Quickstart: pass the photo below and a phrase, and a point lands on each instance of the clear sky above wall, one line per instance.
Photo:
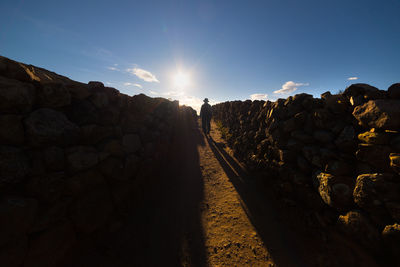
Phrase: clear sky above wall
(223, 50)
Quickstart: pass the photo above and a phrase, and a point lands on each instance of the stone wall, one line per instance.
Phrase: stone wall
(337, 156)
(74, 159)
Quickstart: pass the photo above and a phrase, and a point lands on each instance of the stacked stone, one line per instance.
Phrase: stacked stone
(73, 159)
(338, 155)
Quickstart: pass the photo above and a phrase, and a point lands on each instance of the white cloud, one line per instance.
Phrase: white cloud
(143, 74)
(289, 87)
(113, 68)
(259, 97)
(352, 78)
(133, 84)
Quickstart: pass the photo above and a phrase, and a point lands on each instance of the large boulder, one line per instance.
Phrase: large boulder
(14, 166)
(53, 95)
(335, 191)
(11, 130)
(359, 227)
(360, 89)
(381, 113)
(16, 97)
(372, 191)
(394, 91)
(81, 158)
(47, 126)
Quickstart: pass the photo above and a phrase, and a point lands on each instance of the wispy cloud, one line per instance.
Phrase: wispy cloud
(259, 97)
(133, 84)
(113, 68)
(289, 87)
(143, 74)
(352, 78)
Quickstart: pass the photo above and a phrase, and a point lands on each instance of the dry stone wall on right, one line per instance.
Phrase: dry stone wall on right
(338, 156)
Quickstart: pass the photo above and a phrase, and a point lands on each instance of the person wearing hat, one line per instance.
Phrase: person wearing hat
(206, 114)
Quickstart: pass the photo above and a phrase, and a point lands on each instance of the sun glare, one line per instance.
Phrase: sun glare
(181, 80)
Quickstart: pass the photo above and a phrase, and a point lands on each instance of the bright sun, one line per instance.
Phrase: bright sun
(181, 80)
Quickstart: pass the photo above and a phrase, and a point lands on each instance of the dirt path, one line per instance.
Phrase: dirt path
(203, 209)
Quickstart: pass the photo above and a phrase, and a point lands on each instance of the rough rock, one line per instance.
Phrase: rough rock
(48, 188)
(14, 165)
(113, 147)
(339, 168)
(99, 100)
(395, 162)
(357, 225)
(359, 89)
(376, 138)
(15, 97)
(391, 239)
(47, 126)
(53, 95)
(78, 90)
(131, 143)
(372, 190)
(381, 113)
(335, 191)
(55, 241)
(394, 209)
(11, 130)
(17, 216)
(82, 113)
(323, 136)
(54, 158)
(375, 155)
(394, 91)
(13, 253)
(93, 134)
(93, 207)
(81, 158)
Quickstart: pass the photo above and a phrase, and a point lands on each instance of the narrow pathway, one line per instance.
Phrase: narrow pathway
(203, 209)
(230, 237)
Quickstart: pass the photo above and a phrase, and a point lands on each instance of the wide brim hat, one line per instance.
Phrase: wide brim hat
(205, 100)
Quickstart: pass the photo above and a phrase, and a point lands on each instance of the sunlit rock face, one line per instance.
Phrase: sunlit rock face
(71, 156)
(338, 155)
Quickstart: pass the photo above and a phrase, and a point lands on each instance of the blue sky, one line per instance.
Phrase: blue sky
(227, 50)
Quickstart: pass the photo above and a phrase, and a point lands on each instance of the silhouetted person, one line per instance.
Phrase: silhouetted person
(206, 114)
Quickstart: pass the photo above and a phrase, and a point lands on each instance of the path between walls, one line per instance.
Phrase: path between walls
(205, 210)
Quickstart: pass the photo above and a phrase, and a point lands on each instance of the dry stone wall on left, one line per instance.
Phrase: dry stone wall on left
(74, 158)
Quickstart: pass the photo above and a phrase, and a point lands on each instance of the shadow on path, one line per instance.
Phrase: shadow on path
(164, 228)
(279, 240)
